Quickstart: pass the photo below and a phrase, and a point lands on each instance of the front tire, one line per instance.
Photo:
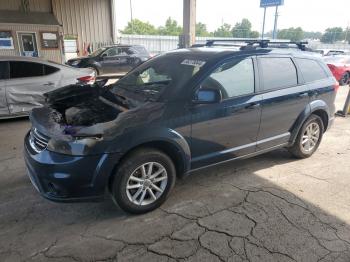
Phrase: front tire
(309, 138)
(143, 181)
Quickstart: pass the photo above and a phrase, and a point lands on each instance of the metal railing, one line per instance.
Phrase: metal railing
(156, 44)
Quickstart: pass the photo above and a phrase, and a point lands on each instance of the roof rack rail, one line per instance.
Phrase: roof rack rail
(263, 43)
(211, 42)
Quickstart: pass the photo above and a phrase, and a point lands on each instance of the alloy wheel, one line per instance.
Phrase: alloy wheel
(147, 183)
(310, 137)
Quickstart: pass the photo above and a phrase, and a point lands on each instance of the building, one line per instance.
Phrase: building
(54, 29)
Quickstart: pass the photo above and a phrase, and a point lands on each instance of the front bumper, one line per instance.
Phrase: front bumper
(66, 178)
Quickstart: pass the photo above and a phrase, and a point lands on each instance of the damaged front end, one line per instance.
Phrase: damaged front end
(82, 120)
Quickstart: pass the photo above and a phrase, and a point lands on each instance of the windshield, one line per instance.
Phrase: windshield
(98, 51)
(152, 78)
(337, 60)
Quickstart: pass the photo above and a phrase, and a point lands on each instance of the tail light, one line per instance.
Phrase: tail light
(336, 86)
(90, 79)
(331, 67)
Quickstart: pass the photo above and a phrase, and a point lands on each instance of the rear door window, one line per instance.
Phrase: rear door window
(3, 70)
(278, 72)
(19, 69)
(311, 70)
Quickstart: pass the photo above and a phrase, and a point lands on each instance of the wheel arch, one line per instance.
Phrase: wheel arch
(317, 107)
(173, 145)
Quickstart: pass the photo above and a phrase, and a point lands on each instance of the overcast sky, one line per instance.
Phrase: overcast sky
(311, 15)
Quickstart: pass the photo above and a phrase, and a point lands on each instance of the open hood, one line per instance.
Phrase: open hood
(78, 111)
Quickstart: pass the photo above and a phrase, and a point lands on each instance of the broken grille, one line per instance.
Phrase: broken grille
(37, 141)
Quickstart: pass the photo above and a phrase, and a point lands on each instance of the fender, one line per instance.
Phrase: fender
(93, 63)
(309, 109)
(153, 135)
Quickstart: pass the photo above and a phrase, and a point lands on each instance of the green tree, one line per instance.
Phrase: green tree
(292, 34)
(171, 28)
(332, 35)
(244, 30)
(201, 30)
(254, 34)
(138, 27)
(223, 31)
(312, 35)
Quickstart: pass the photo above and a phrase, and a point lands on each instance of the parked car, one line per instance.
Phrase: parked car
(340, 68)
(24, 80)
(114, 60)
(331, 52)
(176, 113)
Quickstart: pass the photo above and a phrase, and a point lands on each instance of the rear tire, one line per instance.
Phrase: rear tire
(309, 138)
(143, 181)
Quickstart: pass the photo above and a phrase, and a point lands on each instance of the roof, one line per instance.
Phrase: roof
(216, 54)
(16, 17)
(121, 45)
(23, 58)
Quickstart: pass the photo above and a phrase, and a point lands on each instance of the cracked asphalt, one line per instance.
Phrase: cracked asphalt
(268, 208)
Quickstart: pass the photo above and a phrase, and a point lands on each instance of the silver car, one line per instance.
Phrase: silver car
(24, 80)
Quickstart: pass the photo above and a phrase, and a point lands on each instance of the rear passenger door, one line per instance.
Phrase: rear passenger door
(27, 83)
(285, 97)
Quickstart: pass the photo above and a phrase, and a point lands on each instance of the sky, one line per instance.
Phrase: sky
(311, 15)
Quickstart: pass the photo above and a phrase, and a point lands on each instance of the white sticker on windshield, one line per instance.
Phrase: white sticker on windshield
(193, 62)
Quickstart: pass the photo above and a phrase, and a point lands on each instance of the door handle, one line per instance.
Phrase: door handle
(303, 94)
(49, 84)
(252, 106)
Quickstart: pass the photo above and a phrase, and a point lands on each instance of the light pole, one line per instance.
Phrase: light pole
(131, 19)
(275, 25)
(263, 28)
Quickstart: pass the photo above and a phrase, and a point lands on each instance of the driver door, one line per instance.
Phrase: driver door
(228, 129)
(113, 62)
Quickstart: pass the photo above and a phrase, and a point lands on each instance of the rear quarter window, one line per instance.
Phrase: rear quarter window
(311, 70)
(20, 69)
(278, 72)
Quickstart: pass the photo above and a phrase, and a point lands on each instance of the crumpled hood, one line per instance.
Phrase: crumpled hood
(96, 111)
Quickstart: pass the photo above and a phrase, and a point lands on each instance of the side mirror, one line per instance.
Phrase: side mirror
(207, 96)
(104, 55)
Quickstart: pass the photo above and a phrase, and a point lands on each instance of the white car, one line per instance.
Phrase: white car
(24, 80)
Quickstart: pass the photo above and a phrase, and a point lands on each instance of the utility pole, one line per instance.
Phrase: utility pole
(263, 28)
(346, 33)
(275, 26)
(131, 19)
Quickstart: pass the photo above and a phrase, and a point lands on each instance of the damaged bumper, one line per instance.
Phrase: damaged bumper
(67, 178)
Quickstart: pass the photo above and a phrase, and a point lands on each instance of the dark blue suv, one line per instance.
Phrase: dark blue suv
(176, 113)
